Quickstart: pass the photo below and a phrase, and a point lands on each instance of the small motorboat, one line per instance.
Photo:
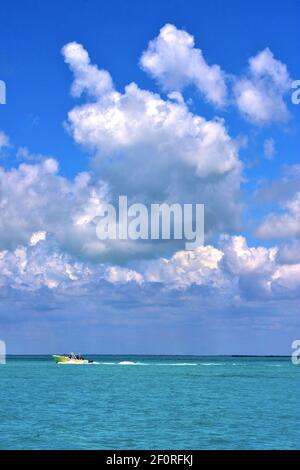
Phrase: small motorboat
(70, 359)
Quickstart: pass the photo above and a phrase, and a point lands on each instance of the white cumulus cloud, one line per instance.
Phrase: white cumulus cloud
(87, 77)
(175, 62)
(260, 94)
(156, 150)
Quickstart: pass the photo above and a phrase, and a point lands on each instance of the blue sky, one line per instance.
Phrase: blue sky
(73, 136)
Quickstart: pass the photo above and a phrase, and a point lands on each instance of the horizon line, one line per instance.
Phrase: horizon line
(159, 355)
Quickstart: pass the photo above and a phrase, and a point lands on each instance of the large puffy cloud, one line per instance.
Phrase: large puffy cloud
(173, 60)
(252, 267)
(233, 272)
(200, 267)
(260, 94)
(34, 198)
(36, 201)
(220, 268)
(141, 122)
(242, 259)
(258, 271)
(153, 150)
(32, 268)
(156, 150)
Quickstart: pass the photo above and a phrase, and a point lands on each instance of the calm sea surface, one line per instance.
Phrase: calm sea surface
(152, 402)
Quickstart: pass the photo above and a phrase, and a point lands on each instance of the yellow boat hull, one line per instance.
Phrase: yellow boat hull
(67, 360)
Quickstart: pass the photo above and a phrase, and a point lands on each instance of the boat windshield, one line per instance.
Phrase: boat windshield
(75, 356)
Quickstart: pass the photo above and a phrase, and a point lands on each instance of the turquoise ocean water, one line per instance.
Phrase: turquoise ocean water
(153, 402)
